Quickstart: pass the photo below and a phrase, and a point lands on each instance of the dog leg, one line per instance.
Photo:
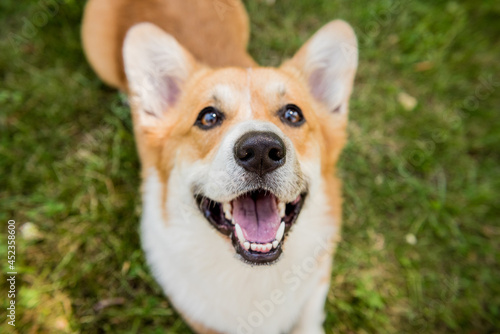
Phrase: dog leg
(313, 313)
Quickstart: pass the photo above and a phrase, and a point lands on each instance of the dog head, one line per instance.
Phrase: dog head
(243, 147)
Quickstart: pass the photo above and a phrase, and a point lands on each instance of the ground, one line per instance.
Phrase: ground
(420, 250)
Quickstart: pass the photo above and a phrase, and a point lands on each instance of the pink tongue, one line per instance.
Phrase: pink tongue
(257, 216)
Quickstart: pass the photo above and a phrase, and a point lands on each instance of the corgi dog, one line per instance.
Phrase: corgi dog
(241, 204)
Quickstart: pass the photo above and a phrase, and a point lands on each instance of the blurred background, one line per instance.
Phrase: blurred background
(421, 172)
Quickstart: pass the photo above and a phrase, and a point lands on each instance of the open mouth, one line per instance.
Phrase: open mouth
(256, 222)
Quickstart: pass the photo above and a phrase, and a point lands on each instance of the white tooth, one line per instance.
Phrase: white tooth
(232, 221)
(253, 246)
(246, 244)
(259, 248)
(281, 232)
(239, 234)
(227, 207)
(281, 208)
(275, 243)
(269, 246)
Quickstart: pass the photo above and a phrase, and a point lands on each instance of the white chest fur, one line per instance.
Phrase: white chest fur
(199, 270)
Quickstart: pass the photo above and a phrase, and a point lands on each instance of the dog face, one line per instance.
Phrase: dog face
(243, 147)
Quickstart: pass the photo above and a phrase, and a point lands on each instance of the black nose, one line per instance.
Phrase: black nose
(260, 152)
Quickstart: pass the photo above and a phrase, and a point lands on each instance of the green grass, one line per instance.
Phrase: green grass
(431, 175)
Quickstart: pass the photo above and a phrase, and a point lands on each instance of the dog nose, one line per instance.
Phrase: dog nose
(260, 152)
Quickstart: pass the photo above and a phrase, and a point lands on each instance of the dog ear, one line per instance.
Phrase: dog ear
(156, 66)
(329, 61)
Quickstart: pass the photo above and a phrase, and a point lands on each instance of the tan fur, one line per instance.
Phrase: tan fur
(214, 36)
(178, 133)
(215, 32)
(199, 328)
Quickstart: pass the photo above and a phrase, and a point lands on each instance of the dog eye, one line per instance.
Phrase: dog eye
(209, 118)
(292, 115)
